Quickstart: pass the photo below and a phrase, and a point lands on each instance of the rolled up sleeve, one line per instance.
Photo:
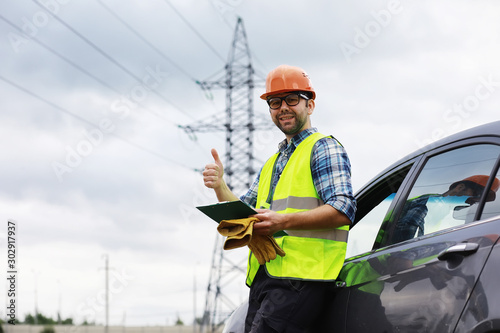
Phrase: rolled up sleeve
(331, 171)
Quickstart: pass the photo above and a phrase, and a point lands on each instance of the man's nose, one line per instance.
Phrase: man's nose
(283, 105)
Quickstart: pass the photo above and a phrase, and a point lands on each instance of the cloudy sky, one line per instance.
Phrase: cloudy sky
(95, 166)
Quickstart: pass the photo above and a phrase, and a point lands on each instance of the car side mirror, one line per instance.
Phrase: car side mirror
(460, 212)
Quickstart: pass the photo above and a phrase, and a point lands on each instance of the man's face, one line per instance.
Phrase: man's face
(292, 119)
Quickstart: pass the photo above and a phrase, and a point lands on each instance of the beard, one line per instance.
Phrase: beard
(291, 126)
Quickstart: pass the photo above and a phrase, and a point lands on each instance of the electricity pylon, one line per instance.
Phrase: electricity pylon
(239, 124)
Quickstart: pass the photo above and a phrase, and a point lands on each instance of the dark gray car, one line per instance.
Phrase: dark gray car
(424, 253)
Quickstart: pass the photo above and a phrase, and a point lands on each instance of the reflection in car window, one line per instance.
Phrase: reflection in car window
(362, 237)
(372, 211)
(446, 191)
(492, 205)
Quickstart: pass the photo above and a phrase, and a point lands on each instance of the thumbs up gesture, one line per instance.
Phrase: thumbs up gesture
(213, 173)
(213, 178)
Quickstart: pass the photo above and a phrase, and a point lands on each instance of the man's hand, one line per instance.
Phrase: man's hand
(213, 178)
(214, 172)
(269, 222)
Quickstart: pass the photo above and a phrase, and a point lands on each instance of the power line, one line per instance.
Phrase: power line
(75, 65)
(63, 110)
(195, 31)
(84, 71)
(147, 42)
(156, 49)
(258, 74)
(107, 56)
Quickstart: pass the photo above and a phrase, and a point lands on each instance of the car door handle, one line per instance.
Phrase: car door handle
(463, 249)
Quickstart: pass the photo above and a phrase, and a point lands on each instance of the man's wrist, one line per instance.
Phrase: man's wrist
(223, 193)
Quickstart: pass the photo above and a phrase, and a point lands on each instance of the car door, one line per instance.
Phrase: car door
(427, 255)
(376, 202)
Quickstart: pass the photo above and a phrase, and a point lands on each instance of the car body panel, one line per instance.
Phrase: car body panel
(482, 312)
(407, 288)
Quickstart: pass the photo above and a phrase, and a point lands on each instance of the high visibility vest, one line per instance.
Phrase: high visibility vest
(310, 254)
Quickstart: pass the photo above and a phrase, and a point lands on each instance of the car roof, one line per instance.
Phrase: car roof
(489, 129)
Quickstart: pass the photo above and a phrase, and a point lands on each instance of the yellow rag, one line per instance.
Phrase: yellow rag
(239, 232)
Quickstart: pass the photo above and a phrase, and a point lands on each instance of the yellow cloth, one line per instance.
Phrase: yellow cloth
(239, 233)
(265, 248)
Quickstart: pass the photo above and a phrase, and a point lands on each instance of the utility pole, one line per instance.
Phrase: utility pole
(59, 319)
(106, 286)
(238, 123)
(35, 274)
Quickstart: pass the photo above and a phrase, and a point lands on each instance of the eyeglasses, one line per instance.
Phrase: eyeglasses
(291, 100)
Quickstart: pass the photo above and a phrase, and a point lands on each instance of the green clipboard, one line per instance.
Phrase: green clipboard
(228, 210)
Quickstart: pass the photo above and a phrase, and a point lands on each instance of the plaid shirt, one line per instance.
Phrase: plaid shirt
(331, 172)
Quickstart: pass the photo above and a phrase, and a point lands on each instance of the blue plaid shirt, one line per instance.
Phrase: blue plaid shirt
(331, 172)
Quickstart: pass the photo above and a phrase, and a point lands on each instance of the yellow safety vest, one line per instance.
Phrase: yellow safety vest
(310, 254)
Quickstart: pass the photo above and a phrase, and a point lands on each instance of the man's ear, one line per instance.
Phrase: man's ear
(311, 105)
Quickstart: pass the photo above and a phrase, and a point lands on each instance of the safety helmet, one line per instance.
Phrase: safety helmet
(286, 78)
(482, 180)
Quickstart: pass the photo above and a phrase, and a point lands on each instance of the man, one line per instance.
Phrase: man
(415, 211)
(303, 192)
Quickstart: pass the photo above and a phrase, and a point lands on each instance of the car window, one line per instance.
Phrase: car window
(372, 210)
(446, 191)
(492, 205)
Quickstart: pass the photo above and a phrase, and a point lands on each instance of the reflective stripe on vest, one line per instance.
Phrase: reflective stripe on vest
(310, 254)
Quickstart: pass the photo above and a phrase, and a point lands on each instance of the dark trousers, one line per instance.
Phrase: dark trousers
(283, 305)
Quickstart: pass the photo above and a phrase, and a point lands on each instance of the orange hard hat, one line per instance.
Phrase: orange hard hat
(286, 78)
(482, 180)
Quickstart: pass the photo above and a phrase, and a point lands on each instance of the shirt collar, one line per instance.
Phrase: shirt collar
(297, 139)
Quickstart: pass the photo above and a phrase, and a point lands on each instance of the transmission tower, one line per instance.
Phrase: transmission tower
(239, 124)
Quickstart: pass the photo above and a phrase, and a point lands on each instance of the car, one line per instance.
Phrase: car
(423, 252)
